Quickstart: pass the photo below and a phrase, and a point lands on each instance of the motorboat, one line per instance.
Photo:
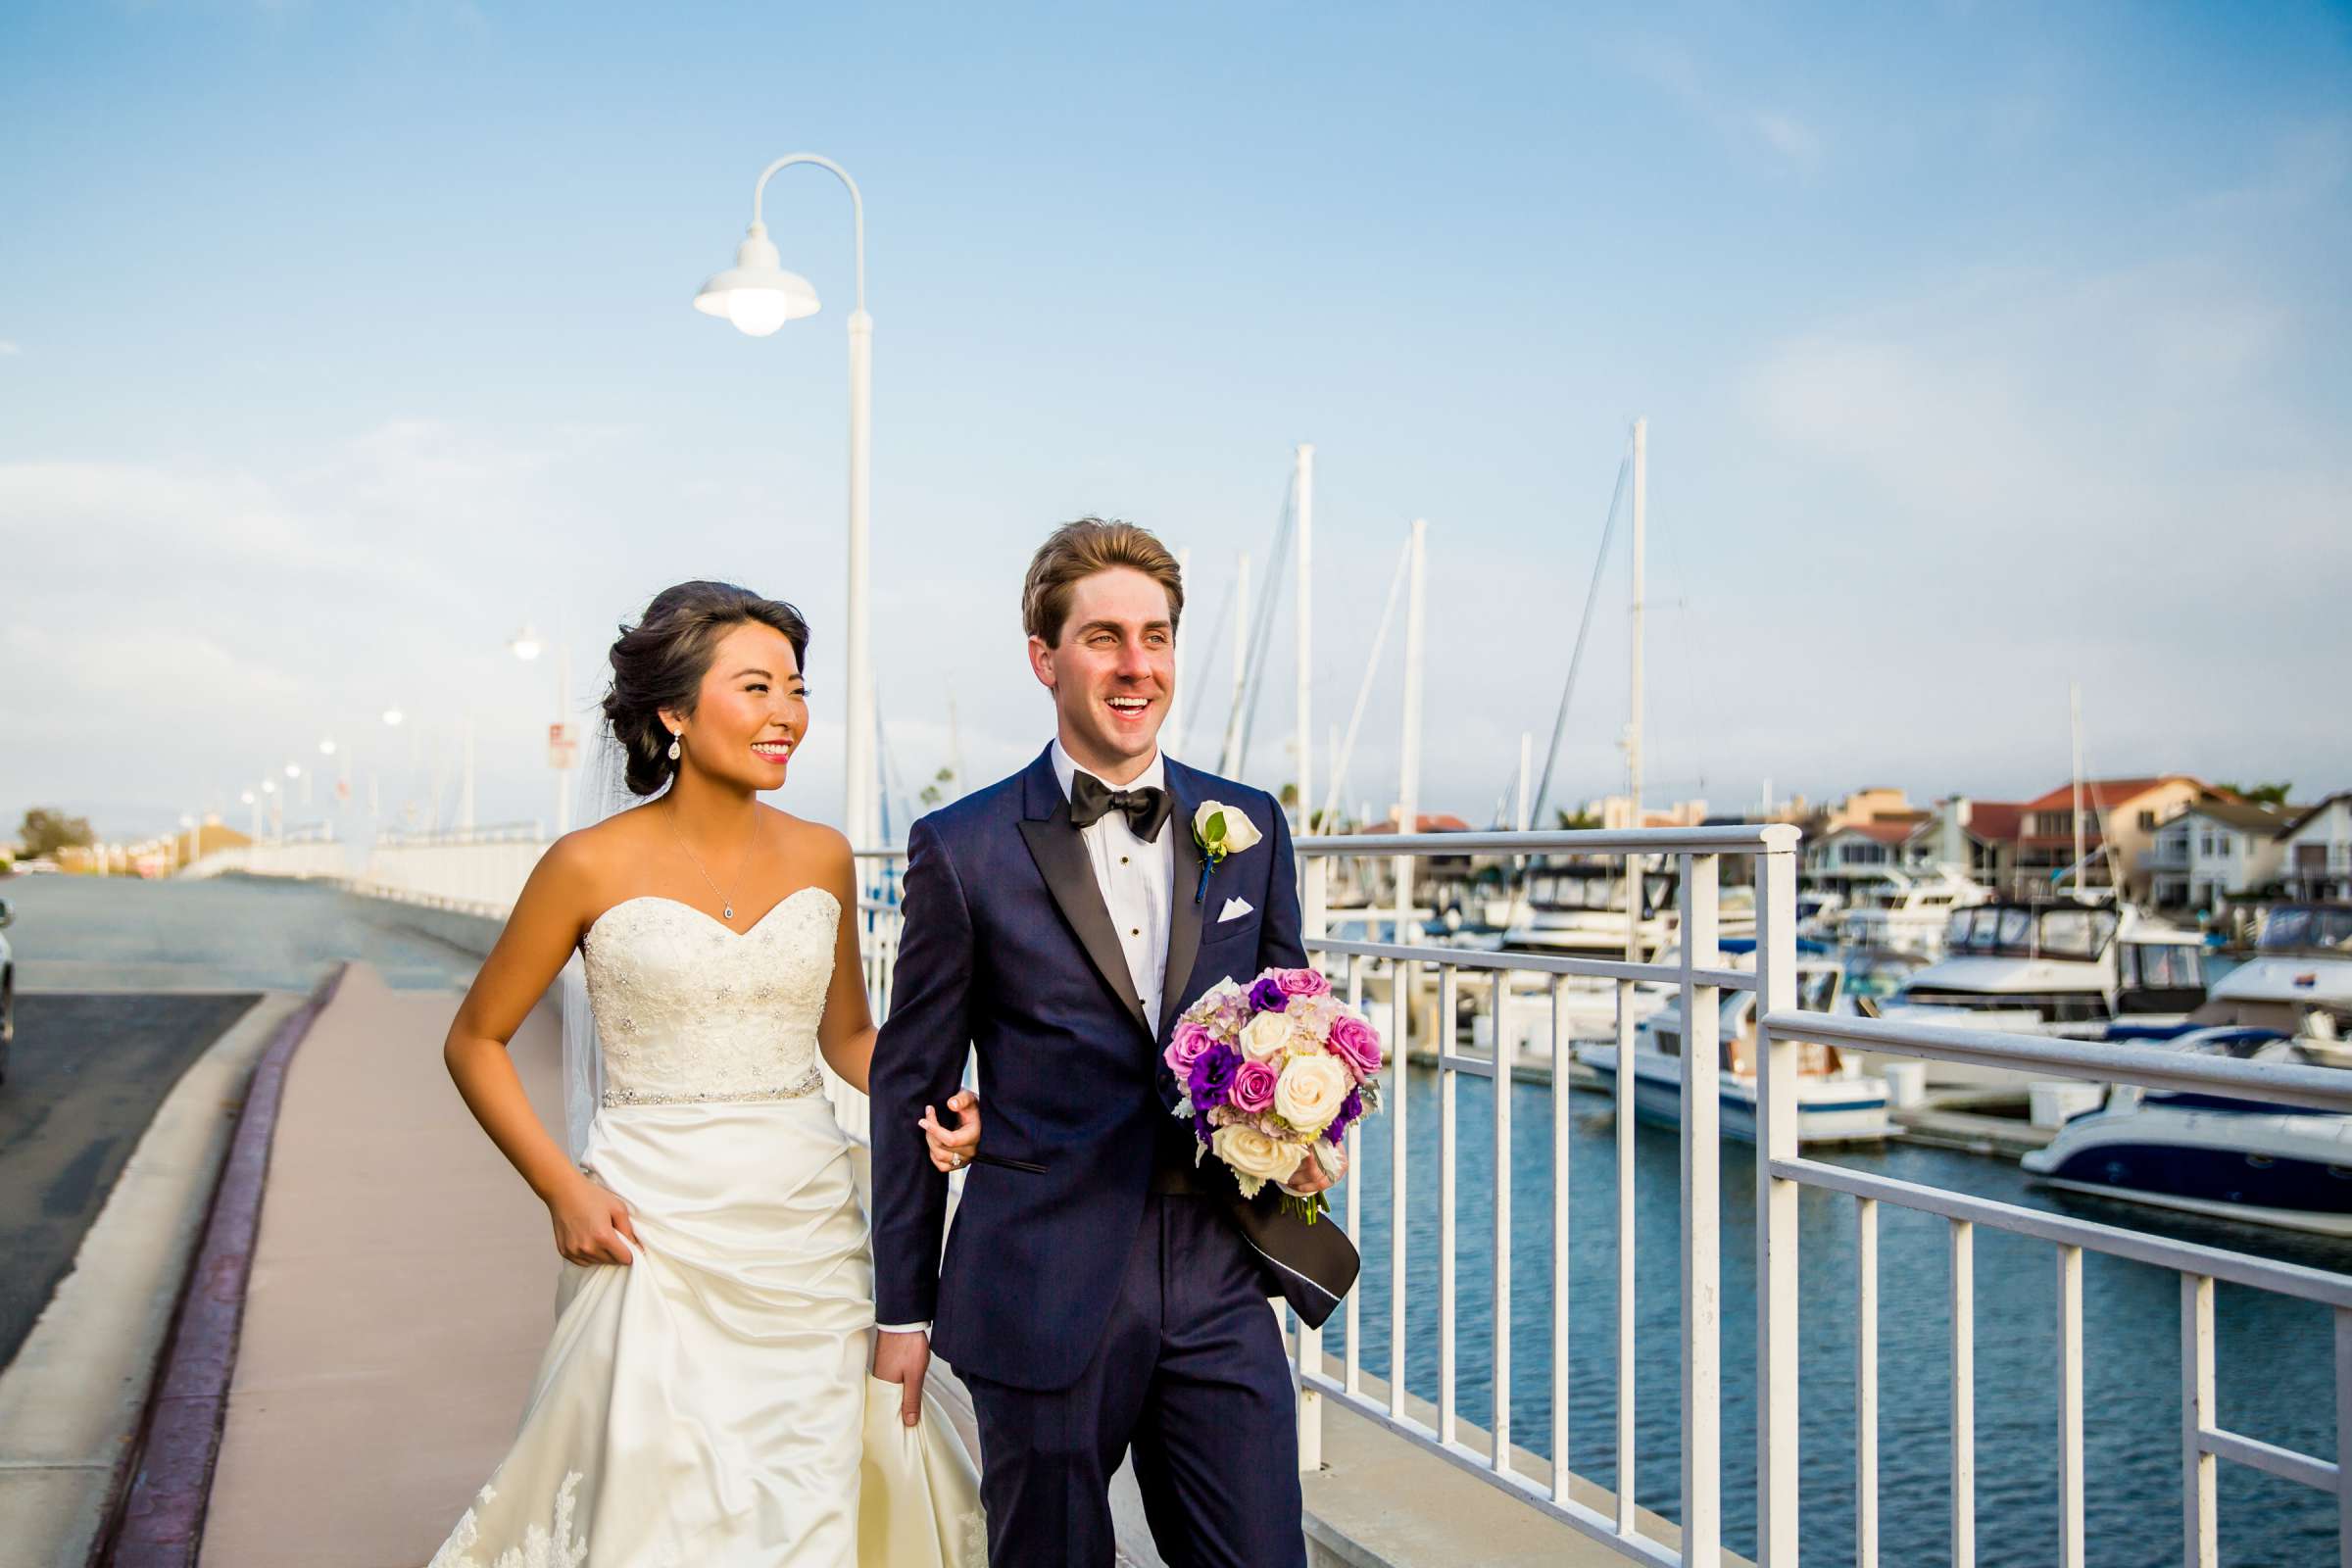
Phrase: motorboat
(1837, 1102)
(1910, 913)
(2287, 1166)
(1577, 908)
(2060, 963)
(2064, 968)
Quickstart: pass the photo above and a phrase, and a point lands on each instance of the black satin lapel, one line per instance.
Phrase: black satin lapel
(1060, 855)
(1184, 915)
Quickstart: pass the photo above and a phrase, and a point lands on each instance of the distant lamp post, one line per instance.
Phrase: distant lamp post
(759, 296)
(563, 749)
(327, 748)
(392, 717)
(254, 801)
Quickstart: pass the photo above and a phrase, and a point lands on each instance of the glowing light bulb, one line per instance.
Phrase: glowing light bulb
(757, 312)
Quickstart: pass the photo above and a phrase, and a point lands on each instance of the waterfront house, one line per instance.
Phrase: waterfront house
(2119, 814)
(1848, 859)
(2214, 848)
(1975, 837)
(2315, 858)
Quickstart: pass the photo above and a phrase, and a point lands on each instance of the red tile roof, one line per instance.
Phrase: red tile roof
(1994, 820)
(2106, 793)
(1883, 830)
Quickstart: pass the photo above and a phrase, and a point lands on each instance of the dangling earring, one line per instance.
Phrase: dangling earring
(673, 746)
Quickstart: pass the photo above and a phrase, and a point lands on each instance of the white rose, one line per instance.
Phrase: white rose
(1264, 1036)
(1256, 1158)
(1222, 830)
(1310, 1091)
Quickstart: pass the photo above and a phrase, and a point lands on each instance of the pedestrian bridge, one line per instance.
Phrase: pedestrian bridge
(1417, 1458)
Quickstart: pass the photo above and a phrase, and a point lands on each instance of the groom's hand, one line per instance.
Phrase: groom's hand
(1311, 1178)
(903, 1360)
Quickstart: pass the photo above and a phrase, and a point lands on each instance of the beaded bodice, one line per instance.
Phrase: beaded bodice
(688, 1009)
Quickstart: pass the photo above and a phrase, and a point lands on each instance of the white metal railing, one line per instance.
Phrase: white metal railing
(304, 857)
(1698, 974)
(1700, 977)
(474, 870)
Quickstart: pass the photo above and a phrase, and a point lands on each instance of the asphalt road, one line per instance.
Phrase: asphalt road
(82, 933)
(86, 1078)
(120, 985)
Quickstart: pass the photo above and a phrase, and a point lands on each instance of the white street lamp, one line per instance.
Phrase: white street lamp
(327, 748)
(527, 647)
(758, 297)
(392, 716)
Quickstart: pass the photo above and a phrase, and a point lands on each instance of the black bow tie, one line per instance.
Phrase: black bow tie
(1146, 810)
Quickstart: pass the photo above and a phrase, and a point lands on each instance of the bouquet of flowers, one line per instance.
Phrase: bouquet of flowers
(1274, 1073)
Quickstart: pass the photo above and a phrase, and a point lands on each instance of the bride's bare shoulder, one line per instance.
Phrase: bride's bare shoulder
(592, 855)
(813, 846)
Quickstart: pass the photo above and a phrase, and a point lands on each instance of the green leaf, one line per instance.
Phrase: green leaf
(1216, 827)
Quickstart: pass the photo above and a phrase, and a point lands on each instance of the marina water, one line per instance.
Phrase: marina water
(2276, 1373)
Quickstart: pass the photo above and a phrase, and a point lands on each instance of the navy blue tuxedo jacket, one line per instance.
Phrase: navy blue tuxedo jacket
(1008, 948)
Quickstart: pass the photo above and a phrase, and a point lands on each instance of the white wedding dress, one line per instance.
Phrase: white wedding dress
(710, 1405)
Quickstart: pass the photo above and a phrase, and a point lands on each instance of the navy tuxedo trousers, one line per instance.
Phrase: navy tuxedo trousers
(1190, 1373)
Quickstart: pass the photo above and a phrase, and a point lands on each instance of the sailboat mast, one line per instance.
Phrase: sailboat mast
(1227, 754)
(1173, 727)
(1408, 772)
(2073, 702)
(1633, 729)
(1306, 635)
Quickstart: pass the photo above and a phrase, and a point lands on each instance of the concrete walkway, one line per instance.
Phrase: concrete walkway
(403, 1289)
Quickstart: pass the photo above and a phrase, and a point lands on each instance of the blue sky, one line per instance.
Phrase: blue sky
(1983, 347)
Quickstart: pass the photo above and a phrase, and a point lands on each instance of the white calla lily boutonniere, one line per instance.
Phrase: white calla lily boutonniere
(1220, 830)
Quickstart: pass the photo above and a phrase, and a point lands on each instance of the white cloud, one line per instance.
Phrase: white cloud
(1797, 143)
(2032, 476)
(8, 348)
(1673, 70)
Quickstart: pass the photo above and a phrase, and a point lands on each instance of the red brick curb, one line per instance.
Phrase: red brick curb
(159, 1521)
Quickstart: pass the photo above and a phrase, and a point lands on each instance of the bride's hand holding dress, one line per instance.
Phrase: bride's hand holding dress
(707, 1403)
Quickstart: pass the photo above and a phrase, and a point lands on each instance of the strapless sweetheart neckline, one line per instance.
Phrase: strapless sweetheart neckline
(715, 920)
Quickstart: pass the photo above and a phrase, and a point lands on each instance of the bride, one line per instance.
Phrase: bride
(704, 1400)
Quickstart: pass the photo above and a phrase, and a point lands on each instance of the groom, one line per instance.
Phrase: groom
(1099, 1291)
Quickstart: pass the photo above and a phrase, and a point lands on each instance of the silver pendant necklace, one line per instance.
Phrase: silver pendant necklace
(726, 899)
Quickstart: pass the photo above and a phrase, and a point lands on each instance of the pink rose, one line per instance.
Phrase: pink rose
(1254, 1084)
(1301, 982)
(1353, 1042)
(1185, 1047)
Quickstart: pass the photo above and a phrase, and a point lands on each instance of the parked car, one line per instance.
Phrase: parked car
(8, 989)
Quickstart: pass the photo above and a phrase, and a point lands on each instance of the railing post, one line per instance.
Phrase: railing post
(1776, 1349)
(2200, 1546)
(1313, 903)
(1702, 1201)
(2343, 1438)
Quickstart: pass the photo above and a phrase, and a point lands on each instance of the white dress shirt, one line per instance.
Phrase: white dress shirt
(1135, 879)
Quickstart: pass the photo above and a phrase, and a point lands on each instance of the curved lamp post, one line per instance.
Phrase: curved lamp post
(759, 296)
(526, 646)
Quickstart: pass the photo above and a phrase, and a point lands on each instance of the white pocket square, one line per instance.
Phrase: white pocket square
(1234, 909)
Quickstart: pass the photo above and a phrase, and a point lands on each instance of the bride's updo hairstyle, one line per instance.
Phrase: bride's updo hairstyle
(661, 662)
